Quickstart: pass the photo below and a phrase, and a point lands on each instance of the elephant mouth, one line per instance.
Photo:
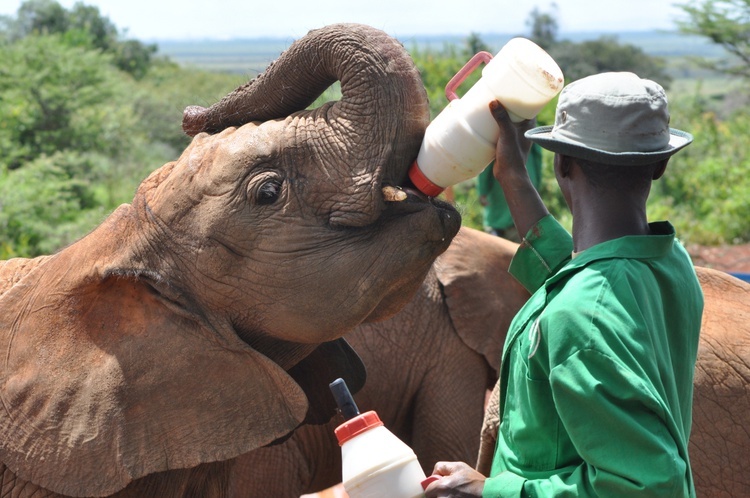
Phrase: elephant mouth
(406, 199)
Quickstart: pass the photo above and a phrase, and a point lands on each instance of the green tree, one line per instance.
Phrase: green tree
(47, 204)
(55, 97)
(543, 27)
(706, 191)
(578, 60)
(103, 34)
(164, 93)
(475, 44)
(133, 57)
(84, 26)
(727, 24)
(40, 17)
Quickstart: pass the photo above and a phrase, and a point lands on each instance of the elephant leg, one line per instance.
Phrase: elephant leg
(310, 460)
(448, 407)
(277, 470)
(207, 480)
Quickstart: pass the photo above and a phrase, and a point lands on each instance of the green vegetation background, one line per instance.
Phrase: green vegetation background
(86, 114)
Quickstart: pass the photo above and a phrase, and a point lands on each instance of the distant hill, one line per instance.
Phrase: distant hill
(250, 56)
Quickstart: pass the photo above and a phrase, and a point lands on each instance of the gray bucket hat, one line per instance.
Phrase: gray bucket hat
(612, 118)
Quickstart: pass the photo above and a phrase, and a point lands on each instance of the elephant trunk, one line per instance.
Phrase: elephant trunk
(363, 142)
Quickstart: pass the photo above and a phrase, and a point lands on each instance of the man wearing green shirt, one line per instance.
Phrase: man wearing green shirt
(496, 215)
(597, 370)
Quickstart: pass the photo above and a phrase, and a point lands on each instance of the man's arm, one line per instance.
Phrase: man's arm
(525, 203)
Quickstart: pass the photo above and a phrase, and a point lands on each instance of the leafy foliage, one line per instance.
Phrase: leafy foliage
(42, 203)
(85, 115)
(163, 94)
(706, 186)
(81, 26)
(55, 97)
(578, 60)
(725, 23)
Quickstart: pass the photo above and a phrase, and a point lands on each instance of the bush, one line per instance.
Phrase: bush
(41, 204)
(706, 188)
(54, 97)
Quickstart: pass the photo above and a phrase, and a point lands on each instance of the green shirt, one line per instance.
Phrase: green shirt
(597, 370)
(496, 213)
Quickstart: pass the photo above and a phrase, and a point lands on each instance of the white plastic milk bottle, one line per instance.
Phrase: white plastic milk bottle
(460, 142)
(375, 463)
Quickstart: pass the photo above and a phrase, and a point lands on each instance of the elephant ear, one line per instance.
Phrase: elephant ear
(114, 384)
(481, 295)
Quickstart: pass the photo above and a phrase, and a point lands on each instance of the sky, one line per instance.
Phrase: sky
(148, 20)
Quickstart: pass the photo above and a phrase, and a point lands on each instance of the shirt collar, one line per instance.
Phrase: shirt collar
(655, 245)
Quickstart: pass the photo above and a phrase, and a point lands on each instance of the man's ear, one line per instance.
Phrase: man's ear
(562, 165)
(660, 168)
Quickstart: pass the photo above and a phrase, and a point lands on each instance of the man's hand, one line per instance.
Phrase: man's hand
(512, 147)
(458, 480)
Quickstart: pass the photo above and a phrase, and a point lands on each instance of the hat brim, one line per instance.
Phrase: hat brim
(542, 135)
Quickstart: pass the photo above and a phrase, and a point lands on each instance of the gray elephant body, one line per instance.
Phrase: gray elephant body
(204, 319)
(428, 371)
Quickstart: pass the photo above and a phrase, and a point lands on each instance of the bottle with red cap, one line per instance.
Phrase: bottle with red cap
(375, 463)
(460, 142)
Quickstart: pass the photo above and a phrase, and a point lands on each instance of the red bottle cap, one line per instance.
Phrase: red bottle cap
(422, 182)
(429, 480)
(357, 425)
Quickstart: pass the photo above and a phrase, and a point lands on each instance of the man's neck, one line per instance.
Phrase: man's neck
(611, 217)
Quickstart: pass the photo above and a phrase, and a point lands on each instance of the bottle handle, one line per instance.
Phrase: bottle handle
(463, 73)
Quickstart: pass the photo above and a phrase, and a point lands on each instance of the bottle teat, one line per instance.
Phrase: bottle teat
(344, 399)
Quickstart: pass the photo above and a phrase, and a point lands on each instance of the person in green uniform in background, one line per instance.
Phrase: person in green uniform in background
(496, 215)
(597, 370)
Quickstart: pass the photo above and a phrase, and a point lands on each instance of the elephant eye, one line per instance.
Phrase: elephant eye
(269, 192)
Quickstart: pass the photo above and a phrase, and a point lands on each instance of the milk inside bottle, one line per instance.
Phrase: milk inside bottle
(460, 142)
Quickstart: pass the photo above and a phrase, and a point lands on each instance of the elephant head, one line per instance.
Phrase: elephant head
(180, 330)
